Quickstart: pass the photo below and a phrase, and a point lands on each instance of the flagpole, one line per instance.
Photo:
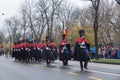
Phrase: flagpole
(63, 24)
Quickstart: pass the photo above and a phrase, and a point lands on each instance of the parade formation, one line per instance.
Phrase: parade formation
(33, 51)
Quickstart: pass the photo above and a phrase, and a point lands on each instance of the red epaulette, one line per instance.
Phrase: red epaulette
(44, 44)
(39, 45)
(51, 44)
(79, 40)
(66, 42)
(86, 41)
(14, 47)
(29, 45)
(34, 45)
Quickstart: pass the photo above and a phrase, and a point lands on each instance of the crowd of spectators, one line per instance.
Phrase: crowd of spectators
(106, 52)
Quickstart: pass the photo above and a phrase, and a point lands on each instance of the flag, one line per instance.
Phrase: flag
(65, 31)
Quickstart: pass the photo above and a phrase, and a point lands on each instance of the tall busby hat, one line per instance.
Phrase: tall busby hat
(81, 32)
(15, 43)
(47, 38)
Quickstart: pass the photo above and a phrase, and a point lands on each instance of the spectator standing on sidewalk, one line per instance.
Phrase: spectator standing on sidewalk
(108, 52)
(114, 54)
(118, 53)
(93, 51)
(103, 52)
(99, 52)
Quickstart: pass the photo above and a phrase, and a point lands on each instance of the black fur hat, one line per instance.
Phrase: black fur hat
(47, 38)
(81, 32)
(15, 43)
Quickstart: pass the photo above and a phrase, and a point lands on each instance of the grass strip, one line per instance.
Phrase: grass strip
(111, 61)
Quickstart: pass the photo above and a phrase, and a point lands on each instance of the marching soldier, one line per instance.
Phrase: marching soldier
(82, 49)
(39, 52)
(53, 49)
(64, 51)
(14, 51)
(49, 54)
(35, 56)
(47, 51)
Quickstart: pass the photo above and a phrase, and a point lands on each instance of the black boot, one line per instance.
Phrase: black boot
(81, 69)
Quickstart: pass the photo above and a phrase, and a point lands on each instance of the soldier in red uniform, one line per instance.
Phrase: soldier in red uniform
(39, 52)
(82, 49)
(64, 51)
(53, 49)
(48, 51)
(14, 52)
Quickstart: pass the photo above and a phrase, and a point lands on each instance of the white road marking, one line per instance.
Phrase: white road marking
(106, 73)
(111, 74)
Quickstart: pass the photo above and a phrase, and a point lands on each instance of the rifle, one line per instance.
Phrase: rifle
(63, 48)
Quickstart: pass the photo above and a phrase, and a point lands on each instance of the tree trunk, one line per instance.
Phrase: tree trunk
(51, 26)
(96, 6)
(118, 1)
(24, 35)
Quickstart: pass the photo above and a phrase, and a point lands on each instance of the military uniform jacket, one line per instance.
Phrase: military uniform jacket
(81, 44)
(64, 49)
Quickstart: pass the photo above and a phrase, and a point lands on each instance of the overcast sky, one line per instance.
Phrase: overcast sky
(11, 7)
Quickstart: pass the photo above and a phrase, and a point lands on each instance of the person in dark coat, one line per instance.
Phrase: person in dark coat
(53, 49)
(82, 48)
(48, 51)
(64, 51)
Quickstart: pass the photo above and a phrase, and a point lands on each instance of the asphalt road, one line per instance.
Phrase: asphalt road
(11, 70)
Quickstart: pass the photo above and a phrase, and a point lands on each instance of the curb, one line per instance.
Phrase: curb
(107, 63)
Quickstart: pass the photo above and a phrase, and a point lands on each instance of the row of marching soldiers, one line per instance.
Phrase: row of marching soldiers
(34, 51)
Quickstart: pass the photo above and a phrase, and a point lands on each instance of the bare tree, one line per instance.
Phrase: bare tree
(24, 20)
(118, 1)
(66, 15)
(95, 4)
(49, 7)
(14, 27)
(109, 23)
(43, 19)
(55, 5)
(29, 8)
(2, 37)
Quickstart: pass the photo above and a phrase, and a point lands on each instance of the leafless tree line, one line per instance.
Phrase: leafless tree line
(45, 17)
